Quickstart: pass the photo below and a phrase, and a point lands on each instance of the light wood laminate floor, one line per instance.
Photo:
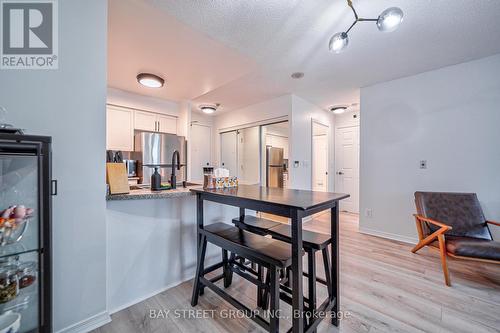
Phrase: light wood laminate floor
(384, 287)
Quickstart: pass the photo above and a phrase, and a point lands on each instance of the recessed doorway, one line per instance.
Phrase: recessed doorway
(320, 156)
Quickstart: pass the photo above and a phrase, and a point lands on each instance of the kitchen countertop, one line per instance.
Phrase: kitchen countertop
(142, 194)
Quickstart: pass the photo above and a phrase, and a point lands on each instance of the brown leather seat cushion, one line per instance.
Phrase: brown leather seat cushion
(461, 211)
(273, 251)
(473, 247)
(310, 239)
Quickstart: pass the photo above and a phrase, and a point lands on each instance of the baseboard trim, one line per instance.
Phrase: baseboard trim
(388, 235)
(88, 324)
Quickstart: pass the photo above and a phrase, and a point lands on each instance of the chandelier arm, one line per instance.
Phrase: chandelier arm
(367, 20)
(352, 25)
(349, 3)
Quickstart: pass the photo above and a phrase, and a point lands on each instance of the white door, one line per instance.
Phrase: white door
(347, 167)
(229, 152)
(145, 121)
(201, 148)
(320, 163)
(167, 124)
(119, 128)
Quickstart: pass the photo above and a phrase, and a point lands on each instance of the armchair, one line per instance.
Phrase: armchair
(455, 224)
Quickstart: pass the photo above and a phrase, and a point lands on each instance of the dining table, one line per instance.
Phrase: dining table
(296, 205)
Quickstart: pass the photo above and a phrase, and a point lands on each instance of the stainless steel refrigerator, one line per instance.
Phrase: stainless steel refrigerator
(156, 149)
(274, 167)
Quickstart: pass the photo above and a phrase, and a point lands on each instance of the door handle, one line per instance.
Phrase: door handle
(340, 173)
(158, 126)
(53, 190)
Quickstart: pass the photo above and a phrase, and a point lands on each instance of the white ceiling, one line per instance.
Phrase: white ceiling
(247, 50)
(145, 39)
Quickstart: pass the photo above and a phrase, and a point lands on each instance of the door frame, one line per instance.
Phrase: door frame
(328, 147)
(337, 128)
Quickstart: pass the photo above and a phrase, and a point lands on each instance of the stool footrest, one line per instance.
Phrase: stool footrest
(237, 304)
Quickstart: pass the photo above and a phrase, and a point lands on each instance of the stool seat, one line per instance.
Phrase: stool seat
(253, 223)
(250, 245)
(310, 239)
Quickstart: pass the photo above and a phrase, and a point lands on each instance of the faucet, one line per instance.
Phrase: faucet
(173, 181)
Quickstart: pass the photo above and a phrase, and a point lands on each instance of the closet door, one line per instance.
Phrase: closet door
(229, 152)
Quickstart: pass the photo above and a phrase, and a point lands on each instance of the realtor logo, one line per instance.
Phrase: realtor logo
(29, 34)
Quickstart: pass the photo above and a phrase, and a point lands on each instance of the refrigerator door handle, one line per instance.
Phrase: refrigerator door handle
(53, 187)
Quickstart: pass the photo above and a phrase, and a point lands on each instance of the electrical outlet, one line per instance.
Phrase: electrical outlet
(369, 212)
(423, 164)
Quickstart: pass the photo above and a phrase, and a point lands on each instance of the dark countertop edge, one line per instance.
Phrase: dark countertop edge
(342, 196)
(148, 196)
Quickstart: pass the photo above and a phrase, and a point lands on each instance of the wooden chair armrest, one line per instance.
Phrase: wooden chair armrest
(421, 218)
(494, 223)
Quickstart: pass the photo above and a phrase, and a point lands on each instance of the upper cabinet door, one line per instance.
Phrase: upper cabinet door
(167, 124)
(119, 129)
(146, 121)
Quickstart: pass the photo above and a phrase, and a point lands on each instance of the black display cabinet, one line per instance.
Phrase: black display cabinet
(26, 187)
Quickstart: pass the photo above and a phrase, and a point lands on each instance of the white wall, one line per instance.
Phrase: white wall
(350, 118)
(449, 117)
(273, 108)
(303, 112)
(69, 105)
(147, 103)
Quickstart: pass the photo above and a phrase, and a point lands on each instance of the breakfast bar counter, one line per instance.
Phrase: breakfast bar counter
(146, 193)
(151, 241)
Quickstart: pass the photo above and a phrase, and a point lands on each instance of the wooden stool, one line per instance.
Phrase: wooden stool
(268, 253)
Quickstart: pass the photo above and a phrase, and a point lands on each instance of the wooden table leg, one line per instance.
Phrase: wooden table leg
(297, 283)
(334, 220)
(199, 226)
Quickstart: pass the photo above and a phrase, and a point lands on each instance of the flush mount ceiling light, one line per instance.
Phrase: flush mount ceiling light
(209, 108)
(150, 80)
(338, 109)
(389, 20)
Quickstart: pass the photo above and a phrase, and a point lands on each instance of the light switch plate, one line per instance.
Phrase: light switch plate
(423, 164)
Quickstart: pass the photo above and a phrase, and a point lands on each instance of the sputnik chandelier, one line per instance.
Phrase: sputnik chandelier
(388, 21)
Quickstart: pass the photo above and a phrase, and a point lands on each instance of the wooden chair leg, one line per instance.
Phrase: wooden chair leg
(326, 263)
(275, 301)
(442, 250)
(225, 268)
(197, 287)
(311, 270)
(265, 294)
(260, 291)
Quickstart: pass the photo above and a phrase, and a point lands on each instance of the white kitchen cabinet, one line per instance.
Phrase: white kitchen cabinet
(167, 124)
(154, 122)
(146, 121)
(119, 128)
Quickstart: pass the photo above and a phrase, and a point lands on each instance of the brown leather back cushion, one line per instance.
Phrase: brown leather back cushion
(461, 211)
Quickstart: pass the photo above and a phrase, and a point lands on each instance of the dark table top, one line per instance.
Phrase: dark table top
(300, 199)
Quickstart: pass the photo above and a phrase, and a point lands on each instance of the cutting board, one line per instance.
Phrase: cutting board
(117, 178)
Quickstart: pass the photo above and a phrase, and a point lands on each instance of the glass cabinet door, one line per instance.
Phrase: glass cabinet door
(19, 241)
